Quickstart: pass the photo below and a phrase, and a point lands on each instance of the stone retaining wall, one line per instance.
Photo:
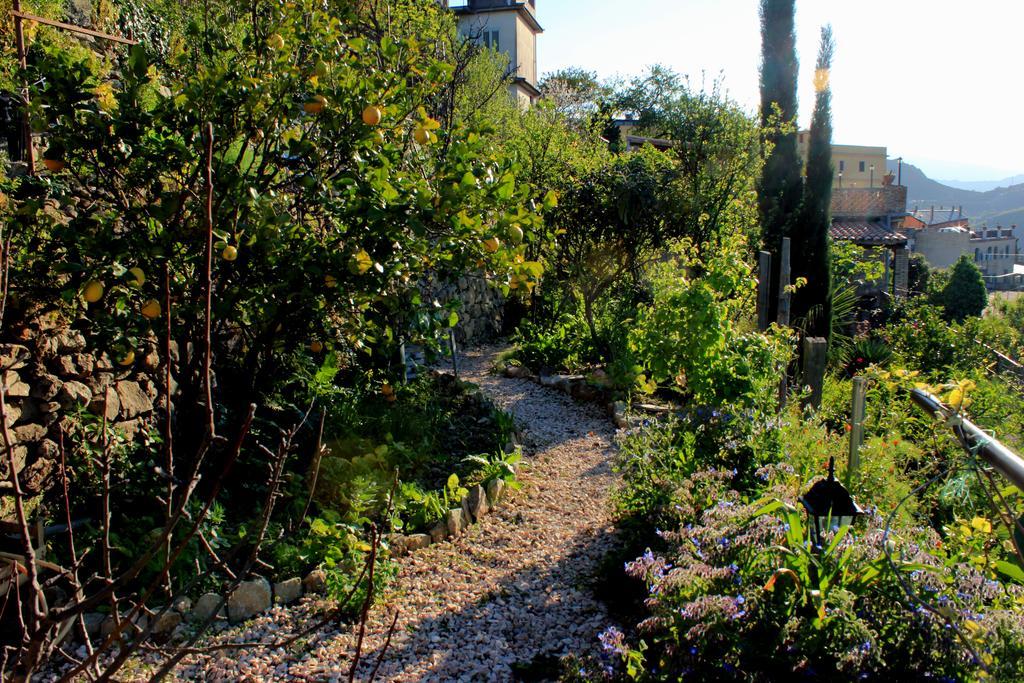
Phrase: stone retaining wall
(481, 314)
(49, 376)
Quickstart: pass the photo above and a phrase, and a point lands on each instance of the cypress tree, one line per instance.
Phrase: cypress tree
(810, 233)
(780, 185)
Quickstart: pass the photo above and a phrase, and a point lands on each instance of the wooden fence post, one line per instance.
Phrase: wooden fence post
(455, 353)
(815, 349)
(19, 41)
(860, 388)
(405, 363)
(785, 275)
(764, 288)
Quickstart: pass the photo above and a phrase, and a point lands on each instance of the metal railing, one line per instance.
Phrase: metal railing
(973, 437)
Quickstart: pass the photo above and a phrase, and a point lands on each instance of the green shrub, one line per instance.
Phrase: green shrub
(965, 294)
(562, 345)
(696, 337)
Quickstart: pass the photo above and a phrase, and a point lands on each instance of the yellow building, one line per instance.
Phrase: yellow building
(511, 27)
(856, 166)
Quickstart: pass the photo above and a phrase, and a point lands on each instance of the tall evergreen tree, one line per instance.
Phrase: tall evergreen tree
(810, 232)
(780, 186)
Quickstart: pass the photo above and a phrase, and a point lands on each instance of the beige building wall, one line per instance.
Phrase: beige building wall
(526, 51)
(505, 23)
(850, 159)
(995, 256)
(942, 247)
(516, 39)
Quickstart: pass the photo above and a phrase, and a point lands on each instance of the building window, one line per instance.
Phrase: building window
(977, 254)
(842, 165)
(490, 40)
(862, 167)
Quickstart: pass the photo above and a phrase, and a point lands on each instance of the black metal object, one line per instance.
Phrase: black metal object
(829, 504)
(11, 114)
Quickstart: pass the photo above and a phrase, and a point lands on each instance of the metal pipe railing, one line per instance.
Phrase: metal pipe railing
(1001, 458)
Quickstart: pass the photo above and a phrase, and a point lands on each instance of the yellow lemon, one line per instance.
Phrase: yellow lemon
(330, 281)
(151, 309)
(127, 359)
(276, 41)
(93, 291)
(230, 253)
(138, 277)
(372, 116)
(315, 105)
(421, 135)
(515, 234)
(491, 244)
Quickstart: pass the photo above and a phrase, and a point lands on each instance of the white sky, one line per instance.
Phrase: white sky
(938, 82)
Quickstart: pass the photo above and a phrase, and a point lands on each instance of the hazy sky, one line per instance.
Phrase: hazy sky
(938, 82)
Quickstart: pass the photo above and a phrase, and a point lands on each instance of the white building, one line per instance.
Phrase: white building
(511, 27)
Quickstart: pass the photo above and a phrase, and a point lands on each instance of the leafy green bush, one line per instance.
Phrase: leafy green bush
(965, 294)
(560, 345)
(495, 467)
(695, 335)
(922, 339)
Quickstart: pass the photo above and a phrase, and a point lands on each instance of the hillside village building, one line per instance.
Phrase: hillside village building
(509, 27)
(856, 166)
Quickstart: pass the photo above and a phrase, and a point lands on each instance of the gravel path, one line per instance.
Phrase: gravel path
(509, 593)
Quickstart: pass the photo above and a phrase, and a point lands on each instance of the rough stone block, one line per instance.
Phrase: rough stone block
(74, 394)
(476, 503)
(495, 492)
(438, 532)
(30, 433)
(166, 623)
(46, 387)
(13, 356)
(14, 387)
(84, 364)
(205, 606)
(106, 402)
(455, 521)
(182, 604)
(13, 413)
(249, 599)
(288, 591)
(315, 581)
(396, 544)
(134, 401)
(417, 542)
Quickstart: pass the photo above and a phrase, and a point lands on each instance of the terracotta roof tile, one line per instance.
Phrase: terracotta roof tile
(865, 232)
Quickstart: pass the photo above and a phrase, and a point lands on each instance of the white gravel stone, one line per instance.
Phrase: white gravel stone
(509, 590)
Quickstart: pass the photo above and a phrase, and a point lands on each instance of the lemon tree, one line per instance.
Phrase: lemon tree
(336, 190)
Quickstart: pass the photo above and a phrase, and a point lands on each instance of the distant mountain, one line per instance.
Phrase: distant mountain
(1000, 206)
(983, 185)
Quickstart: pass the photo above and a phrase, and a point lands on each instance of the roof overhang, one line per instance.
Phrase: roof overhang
(527, 86)
(520, 7)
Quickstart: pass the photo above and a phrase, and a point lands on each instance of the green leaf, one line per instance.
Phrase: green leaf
(1011, 570)
(507, 188)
